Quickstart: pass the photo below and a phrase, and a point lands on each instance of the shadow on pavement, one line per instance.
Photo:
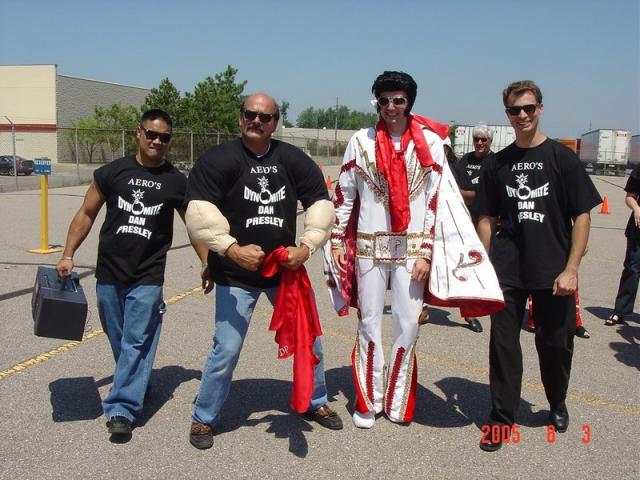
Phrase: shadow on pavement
(249, 397)
(604, 312)
(471, 403)
(626, 352)
(77, 398)
(74, 399)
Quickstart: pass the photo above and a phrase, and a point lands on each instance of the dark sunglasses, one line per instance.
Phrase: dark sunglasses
(528, 109)
(152, 135)
(398, 101)
(251, 115)
(481, 139)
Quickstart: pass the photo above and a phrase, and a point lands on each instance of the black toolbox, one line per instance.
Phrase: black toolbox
(58, 305)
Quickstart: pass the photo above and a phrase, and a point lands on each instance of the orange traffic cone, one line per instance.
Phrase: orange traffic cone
(328, 182)
(605, 205)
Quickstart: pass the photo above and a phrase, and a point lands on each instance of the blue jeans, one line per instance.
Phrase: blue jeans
(628, 287)
(132, 318)
(234, 308)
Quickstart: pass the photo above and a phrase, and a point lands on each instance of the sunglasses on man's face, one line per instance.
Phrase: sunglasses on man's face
(480, 139)
(152, 135)
(251, 115)
(398, 101)
(528, 109)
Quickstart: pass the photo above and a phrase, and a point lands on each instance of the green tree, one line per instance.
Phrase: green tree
(115, 120)
(89, 137)
(214, 103)
(313, 118)
(106, 128)
(167, 97)
(326, 118)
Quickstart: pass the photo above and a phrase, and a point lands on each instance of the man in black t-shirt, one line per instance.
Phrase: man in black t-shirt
(243, 198)
(467, 174)
(537, 192)
(141, 192)
(628, 287)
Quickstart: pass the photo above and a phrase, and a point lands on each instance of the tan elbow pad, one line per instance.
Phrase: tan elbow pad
(318, 222)
(206, 224)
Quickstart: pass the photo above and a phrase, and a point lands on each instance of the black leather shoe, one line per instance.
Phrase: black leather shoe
(474, 324)
(325, 417)
(119, 425)
(560, 420)
(488, 445)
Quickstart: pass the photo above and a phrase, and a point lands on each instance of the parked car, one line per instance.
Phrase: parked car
(24, 166)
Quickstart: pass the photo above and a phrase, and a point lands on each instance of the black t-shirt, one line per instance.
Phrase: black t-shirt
(138, 228)
(467, 174)
(633, 186)
(535, 193)
(258, 197)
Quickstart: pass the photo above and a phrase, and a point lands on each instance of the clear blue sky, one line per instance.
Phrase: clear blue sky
(583, 54)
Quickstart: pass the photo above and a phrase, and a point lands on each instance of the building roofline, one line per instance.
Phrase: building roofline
(102, 81)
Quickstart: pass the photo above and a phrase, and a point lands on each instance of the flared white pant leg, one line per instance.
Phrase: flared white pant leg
(368, 356)
(394, 392)
(402, 372)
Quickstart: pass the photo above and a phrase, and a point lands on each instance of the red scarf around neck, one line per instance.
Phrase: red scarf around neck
(393, 166)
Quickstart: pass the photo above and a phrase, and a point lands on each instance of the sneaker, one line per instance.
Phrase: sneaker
(325, 417)
(201, 435)
(364, 420)
(119, 425)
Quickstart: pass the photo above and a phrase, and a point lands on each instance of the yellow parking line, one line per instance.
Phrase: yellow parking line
(430, 358)
(65, 347)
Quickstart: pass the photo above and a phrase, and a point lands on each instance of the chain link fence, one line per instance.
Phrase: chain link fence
(66, 145)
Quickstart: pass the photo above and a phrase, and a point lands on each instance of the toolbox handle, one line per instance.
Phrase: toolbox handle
(63, 282)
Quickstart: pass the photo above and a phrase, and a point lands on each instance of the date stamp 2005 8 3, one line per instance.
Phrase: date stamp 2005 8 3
(512, 434)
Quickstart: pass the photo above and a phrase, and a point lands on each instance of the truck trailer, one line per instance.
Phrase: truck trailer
(605, 151)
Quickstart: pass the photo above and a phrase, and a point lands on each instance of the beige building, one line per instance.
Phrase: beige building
(38, 103)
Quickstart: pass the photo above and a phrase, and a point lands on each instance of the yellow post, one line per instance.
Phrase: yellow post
(44, 218)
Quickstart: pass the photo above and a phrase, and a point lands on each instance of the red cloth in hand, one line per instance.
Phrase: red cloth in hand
(296, 323)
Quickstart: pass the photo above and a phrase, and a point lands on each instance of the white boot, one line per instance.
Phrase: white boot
(364, 420)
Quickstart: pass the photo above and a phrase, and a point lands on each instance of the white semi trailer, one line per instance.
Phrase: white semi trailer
(605, 151)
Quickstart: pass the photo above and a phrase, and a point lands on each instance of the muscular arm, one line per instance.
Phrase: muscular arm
(318, 220)
(567, 282)
(80, 227)
(202, 251)
(207, 225)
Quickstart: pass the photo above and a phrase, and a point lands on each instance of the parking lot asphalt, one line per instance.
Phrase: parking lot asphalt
(51, 423)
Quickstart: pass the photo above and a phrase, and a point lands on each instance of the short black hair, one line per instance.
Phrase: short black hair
(154, 114)
(390, 81)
